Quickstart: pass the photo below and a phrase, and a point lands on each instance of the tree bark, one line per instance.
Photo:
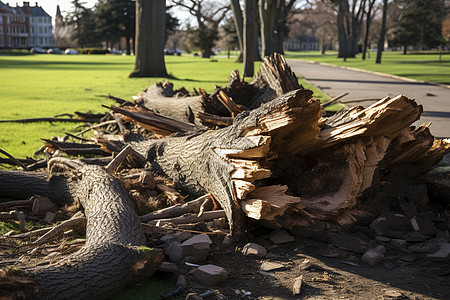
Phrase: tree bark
(238, 23)
(368, 22)
(249, 37)
(382, 33)
(150, 31)
(114, 254)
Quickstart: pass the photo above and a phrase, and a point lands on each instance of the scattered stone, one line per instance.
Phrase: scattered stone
(168, 267)
(168, 239)
(227, 240)
(443, 254)
(254, 249)
(414, 224)
(372, 257)
(175, 251)
(210, 274)
(393, 294)
(266, 273)
(334, 252)
(268, 266)
(415, 236)
(296, 288)
(182, 236)
(199, 251)
(282, 237)
(424, 248)
(398, 243)
(198, 239)
(41, 205)
(348, 242)
(49, 217)
(22, 221)
(207, 294)
(219, 223)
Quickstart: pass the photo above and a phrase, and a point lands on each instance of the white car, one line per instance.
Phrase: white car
(71, 52)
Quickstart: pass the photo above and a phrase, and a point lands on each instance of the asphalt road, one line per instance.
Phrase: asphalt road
(335, 81)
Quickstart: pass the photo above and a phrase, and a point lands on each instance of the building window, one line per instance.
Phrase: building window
(40, 30)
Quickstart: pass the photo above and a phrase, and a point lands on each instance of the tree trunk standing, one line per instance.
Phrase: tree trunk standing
(249, 37)
(150, 30)
(382, 33)
(268, 16)
(342, 32)
(405, 49)
(238, 19)
(368, 22)
(128, 43)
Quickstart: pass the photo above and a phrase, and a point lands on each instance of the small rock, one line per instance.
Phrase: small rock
(398, 243)
(443, 254)
(210, 274)
(182, 236)
(168, 239)
(254, 249)
(372, 257)
(168, 267)
(175, 251)
(424, 248)
(389, 222)
(268, 266)
(348, 242)
(219, 223)
(41, 205)
(414, 224)
(199, 251)
(227, 240)
(147, 179)
(282, 237)
(49, 217)
(297, 286)
(198, 239)
(415, 236)
(443, 234)
(266, 273)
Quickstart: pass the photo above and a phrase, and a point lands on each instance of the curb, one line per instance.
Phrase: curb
(376, 73)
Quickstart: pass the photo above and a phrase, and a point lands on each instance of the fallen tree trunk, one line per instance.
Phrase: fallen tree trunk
(114, 254)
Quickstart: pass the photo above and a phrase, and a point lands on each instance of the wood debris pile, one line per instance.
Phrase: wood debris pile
(254, 151)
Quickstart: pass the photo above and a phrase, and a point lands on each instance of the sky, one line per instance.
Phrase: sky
(50, 5)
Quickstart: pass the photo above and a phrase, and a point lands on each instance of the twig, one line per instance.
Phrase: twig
(31, 120)
(13, 203)
(181, 229)
(14, 160)
(72, 222)
(115, 163)
(335, 99)
(96, 126)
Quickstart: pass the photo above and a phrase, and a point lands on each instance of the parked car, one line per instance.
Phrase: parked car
(37, 50)
(54, 51)
(71, 51)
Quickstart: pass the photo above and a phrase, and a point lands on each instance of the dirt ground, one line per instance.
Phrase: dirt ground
(396, 277)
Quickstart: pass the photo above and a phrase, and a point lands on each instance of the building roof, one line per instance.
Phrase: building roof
(3, 5)
(58, 11)
(37, 11)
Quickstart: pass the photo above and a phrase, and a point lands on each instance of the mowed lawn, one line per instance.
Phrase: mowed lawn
(424, 66)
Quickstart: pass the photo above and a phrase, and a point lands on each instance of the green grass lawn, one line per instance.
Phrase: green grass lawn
(47, 85)
(423, 66)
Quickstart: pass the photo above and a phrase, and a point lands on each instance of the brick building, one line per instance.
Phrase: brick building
(25, 26)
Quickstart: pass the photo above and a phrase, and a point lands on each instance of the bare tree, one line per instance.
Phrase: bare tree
(369, 16)
(208, 15)
(150, 32)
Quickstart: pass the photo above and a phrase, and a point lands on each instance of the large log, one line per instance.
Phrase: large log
(114, 254)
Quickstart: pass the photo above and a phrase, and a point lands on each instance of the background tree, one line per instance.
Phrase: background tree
(382, 33)
(250, 37)
(369, 15)
(238, 24)
(273, 16)
(150, 29)
(208, 15)
(82, 20)
(421, 24)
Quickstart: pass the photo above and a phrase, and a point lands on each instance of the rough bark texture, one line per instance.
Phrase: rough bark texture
(113, 255)
(250, 37)
(150, 30)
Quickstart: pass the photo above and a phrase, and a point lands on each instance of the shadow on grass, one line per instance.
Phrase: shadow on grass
(42, 64)
(372, 81)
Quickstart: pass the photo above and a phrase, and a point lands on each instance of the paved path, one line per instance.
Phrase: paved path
(335, 81)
